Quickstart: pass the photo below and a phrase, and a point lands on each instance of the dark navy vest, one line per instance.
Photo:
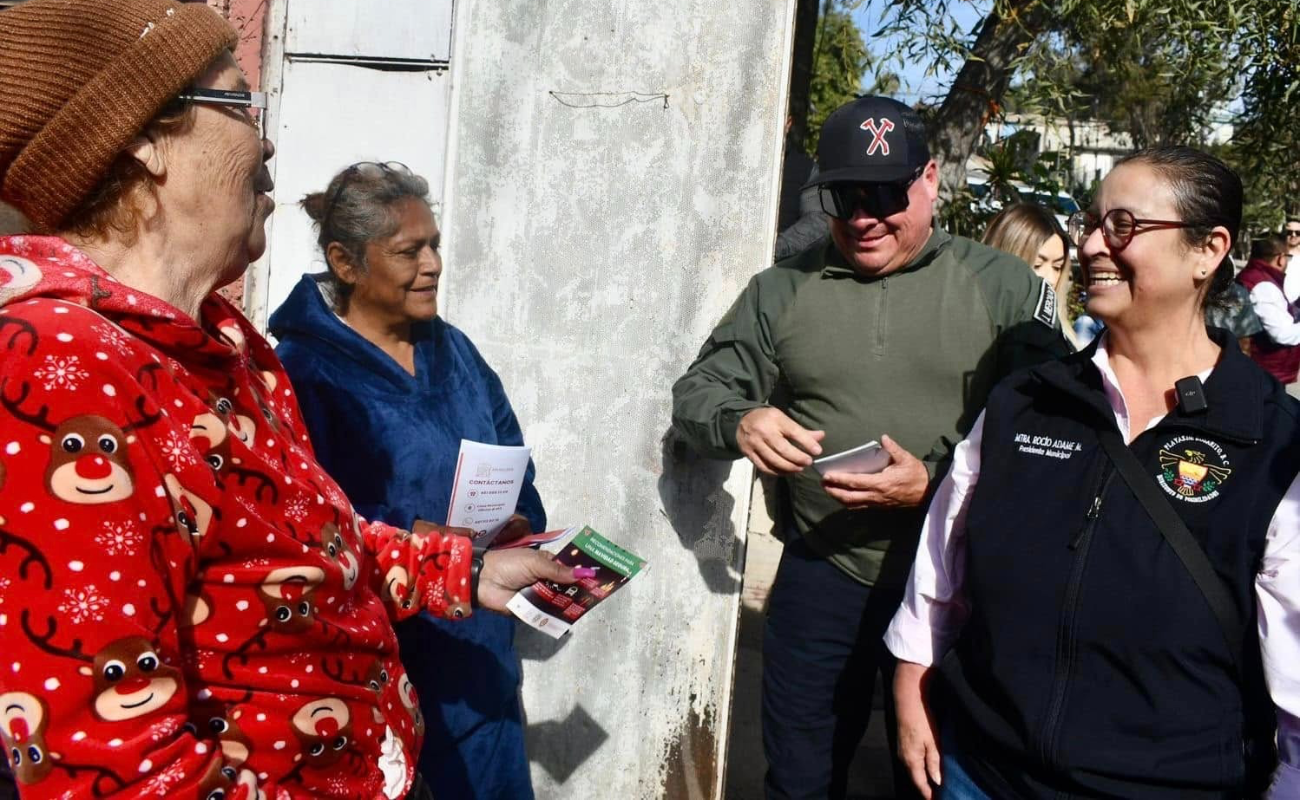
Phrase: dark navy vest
(1091, 664)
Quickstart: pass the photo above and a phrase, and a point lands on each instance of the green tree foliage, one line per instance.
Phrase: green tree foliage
(840, 60)
(1161, 70)
(1265, 147)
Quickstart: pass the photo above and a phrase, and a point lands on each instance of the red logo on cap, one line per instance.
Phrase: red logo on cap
(878, 141)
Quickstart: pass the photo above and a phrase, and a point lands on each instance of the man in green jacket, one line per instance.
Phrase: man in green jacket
(894, 331)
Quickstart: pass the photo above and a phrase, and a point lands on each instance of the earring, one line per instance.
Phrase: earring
(1204, 273)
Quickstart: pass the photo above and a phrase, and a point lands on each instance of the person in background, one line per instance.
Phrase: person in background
(1291, 231)
(388, 390)
(1233, 312)
(1277, 347)
(191, 606)
(810, 230)
(1030, 232)
(1080, 653)
(1086, 328)
(831, 348)
(795, 171)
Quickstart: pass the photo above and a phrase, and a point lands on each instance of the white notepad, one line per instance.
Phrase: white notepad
(867, 458)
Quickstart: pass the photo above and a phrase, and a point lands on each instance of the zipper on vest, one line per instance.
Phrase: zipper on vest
(1088, 518)
(1079, 544)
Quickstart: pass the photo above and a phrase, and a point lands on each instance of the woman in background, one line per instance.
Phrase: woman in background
(1029, 231)
(388, 390)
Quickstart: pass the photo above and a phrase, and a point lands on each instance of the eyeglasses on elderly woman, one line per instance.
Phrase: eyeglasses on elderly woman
(252, 104)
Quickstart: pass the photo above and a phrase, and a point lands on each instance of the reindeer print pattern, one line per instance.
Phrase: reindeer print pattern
(168, 629)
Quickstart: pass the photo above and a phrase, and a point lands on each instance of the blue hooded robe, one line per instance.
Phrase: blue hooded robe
(391, 440)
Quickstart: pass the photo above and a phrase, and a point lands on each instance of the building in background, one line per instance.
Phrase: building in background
(1083, 151)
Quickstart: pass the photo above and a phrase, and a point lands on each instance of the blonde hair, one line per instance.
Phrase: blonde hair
(1021, 229)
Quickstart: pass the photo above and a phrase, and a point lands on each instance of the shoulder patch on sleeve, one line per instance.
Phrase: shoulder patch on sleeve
(1045, 308)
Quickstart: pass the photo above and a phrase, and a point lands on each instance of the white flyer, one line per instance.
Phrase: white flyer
(486, 489)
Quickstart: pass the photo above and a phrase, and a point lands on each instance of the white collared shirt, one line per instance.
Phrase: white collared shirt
(1271, 307)
(934, 607)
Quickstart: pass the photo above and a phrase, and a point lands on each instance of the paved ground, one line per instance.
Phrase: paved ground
(870, 779)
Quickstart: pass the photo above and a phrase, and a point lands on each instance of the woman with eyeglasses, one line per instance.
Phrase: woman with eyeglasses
(388, 389)
(189, 605)
(1107, 589)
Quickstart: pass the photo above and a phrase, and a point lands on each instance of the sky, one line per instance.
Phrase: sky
(917, 85)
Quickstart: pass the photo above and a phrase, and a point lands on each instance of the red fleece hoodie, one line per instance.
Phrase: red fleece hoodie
(189, 606)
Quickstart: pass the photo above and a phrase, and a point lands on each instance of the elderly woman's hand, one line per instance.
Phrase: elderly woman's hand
(516, 527)
(507, 571)
(423, 528)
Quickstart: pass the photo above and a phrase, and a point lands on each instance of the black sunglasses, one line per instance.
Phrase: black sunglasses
(1292, 231)
(877, 200)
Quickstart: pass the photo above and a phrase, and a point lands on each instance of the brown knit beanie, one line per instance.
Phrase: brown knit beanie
(79, 79)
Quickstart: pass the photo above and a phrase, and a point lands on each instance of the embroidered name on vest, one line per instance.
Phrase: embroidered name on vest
(1192, 469)
(1047, 446)
(1045, 309)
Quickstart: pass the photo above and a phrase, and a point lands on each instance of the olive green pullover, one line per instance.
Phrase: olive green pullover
(912, 354)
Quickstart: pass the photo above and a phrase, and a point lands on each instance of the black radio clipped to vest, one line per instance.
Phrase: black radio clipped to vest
(1191, 396)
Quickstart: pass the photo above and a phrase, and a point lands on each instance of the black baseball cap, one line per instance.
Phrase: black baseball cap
(871, 140)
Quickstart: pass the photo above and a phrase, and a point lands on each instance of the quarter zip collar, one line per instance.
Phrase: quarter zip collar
(1234, 391)
(835, 265)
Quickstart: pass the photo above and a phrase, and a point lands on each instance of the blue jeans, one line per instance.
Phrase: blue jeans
(821, 650)
(957, 782)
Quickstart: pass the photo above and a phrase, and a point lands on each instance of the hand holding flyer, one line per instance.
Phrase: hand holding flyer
(549, 541)
(603, 567)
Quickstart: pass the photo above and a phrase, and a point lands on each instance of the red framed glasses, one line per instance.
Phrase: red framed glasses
(1118, 225)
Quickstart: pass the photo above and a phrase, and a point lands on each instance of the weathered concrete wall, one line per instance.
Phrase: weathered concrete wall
(612, 177)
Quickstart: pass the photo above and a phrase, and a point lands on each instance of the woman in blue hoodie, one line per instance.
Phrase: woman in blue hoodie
(388, 390)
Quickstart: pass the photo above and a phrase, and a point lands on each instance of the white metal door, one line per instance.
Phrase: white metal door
(349, 82)
(415, 30)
